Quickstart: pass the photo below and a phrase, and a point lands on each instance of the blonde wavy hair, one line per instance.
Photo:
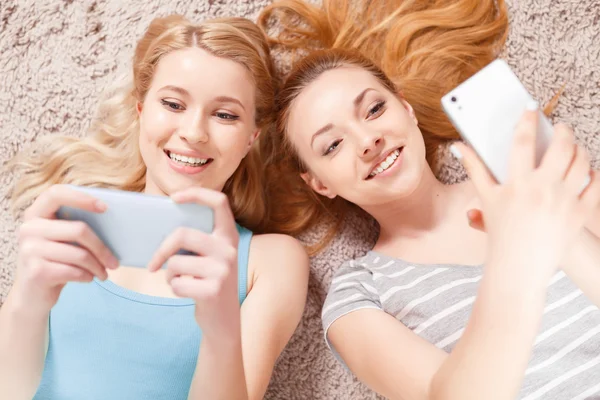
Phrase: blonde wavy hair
(420, 49)
(109, 157)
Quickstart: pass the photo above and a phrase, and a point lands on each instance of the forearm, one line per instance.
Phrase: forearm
(490, 359)
(23, 344)
(582, 266)
(220, 371)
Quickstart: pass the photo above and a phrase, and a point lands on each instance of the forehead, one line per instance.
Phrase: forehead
(333, 91)
(202, 73)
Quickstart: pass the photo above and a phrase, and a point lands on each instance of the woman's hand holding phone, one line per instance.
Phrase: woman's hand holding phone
(53, 252)
(210, 275)
(534, 217)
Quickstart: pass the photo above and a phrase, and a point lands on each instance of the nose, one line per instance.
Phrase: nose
(370, 143)
(194, 129)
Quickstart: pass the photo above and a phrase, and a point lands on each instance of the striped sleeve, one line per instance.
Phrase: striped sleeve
(351, 289)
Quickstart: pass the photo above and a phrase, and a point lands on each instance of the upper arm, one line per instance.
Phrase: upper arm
(382, 352)
(273, 307)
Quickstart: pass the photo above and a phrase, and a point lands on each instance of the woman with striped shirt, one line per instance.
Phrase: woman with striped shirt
(437, 310)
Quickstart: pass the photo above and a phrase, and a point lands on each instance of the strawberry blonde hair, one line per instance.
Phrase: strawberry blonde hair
(110, 156)
(418, 49)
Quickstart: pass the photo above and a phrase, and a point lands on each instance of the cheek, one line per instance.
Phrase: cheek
(157, 124)
(339, 174)
(228, 138)
(418, 142)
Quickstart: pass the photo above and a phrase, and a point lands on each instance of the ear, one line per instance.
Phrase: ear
(253, 138)
(409, 109)
(315, 184)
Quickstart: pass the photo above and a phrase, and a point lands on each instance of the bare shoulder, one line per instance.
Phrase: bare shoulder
(279, 257)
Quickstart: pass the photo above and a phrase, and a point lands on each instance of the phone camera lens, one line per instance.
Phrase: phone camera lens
(453, 99)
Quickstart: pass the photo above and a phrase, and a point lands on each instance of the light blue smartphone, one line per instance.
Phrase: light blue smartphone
(135, 224)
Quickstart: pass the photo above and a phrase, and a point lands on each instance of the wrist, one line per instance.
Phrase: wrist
(223, 346)
(227, 335)
(516, 279)
(24, 303)
(19, 311)
(527, 265)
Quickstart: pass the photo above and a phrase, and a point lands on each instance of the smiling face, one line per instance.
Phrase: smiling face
(197, 121)
(359, 140)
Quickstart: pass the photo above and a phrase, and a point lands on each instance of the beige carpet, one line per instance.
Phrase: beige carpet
(57, 56)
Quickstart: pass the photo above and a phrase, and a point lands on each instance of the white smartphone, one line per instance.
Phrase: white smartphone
(485, 110)
(135, 224)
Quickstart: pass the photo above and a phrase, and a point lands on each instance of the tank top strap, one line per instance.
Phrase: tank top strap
(243, 256)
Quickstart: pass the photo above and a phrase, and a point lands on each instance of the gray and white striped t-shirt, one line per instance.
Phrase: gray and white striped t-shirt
(435, 302)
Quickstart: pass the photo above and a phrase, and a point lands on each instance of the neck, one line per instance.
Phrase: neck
(153, 189)
(429, 206)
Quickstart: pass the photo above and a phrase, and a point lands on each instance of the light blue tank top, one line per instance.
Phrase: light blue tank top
(111, 343)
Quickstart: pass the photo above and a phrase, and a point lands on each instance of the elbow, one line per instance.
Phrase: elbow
(435, 391)
(444, 387)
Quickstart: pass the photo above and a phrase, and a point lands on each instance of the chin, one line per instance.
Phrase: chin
(396, 192)
(165, 186)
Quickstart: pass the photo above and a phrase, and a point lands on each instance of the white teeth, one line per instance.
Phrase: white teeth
(188, 160)
(385, 164)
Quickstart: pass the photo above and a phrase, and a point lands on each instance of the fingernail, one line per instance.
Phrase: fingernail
(100, 206)
(532, 105)
(455, 152)
(586, 183)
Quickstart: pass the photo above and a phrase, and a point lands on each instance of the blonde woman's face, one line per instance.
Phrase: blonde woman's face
(196, 122)
(359, 140)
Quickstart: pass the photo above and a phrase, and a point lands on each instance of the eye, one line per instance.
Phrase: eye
(377, 109)
(332, 147)
(172, 105)
(227, 116)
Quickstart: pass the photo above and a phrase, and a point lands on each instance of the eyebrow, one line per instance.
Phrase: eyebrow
(227, 99)
(177, 89)
(321, 131)
(220, 99)
(361, 97)
(329, 126)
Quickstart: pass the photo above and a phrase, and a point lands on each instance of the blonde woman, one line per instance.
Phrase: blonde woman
(77, 325)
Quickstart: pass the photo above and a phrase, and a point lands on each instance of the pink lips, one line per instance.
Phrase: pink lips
(187, 169)
(388, 171)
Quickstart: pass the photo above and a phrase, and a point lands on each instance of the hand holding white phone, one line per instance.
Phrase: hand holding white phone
(486, 108)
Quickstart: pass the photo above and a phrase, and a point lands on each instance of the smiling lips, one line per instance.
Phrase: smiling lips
(187, 164)
(385, 163)
(189, 161)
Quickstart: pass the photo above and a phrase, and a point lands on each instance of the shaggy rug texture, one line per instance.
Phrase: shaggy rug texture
(57, 56)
